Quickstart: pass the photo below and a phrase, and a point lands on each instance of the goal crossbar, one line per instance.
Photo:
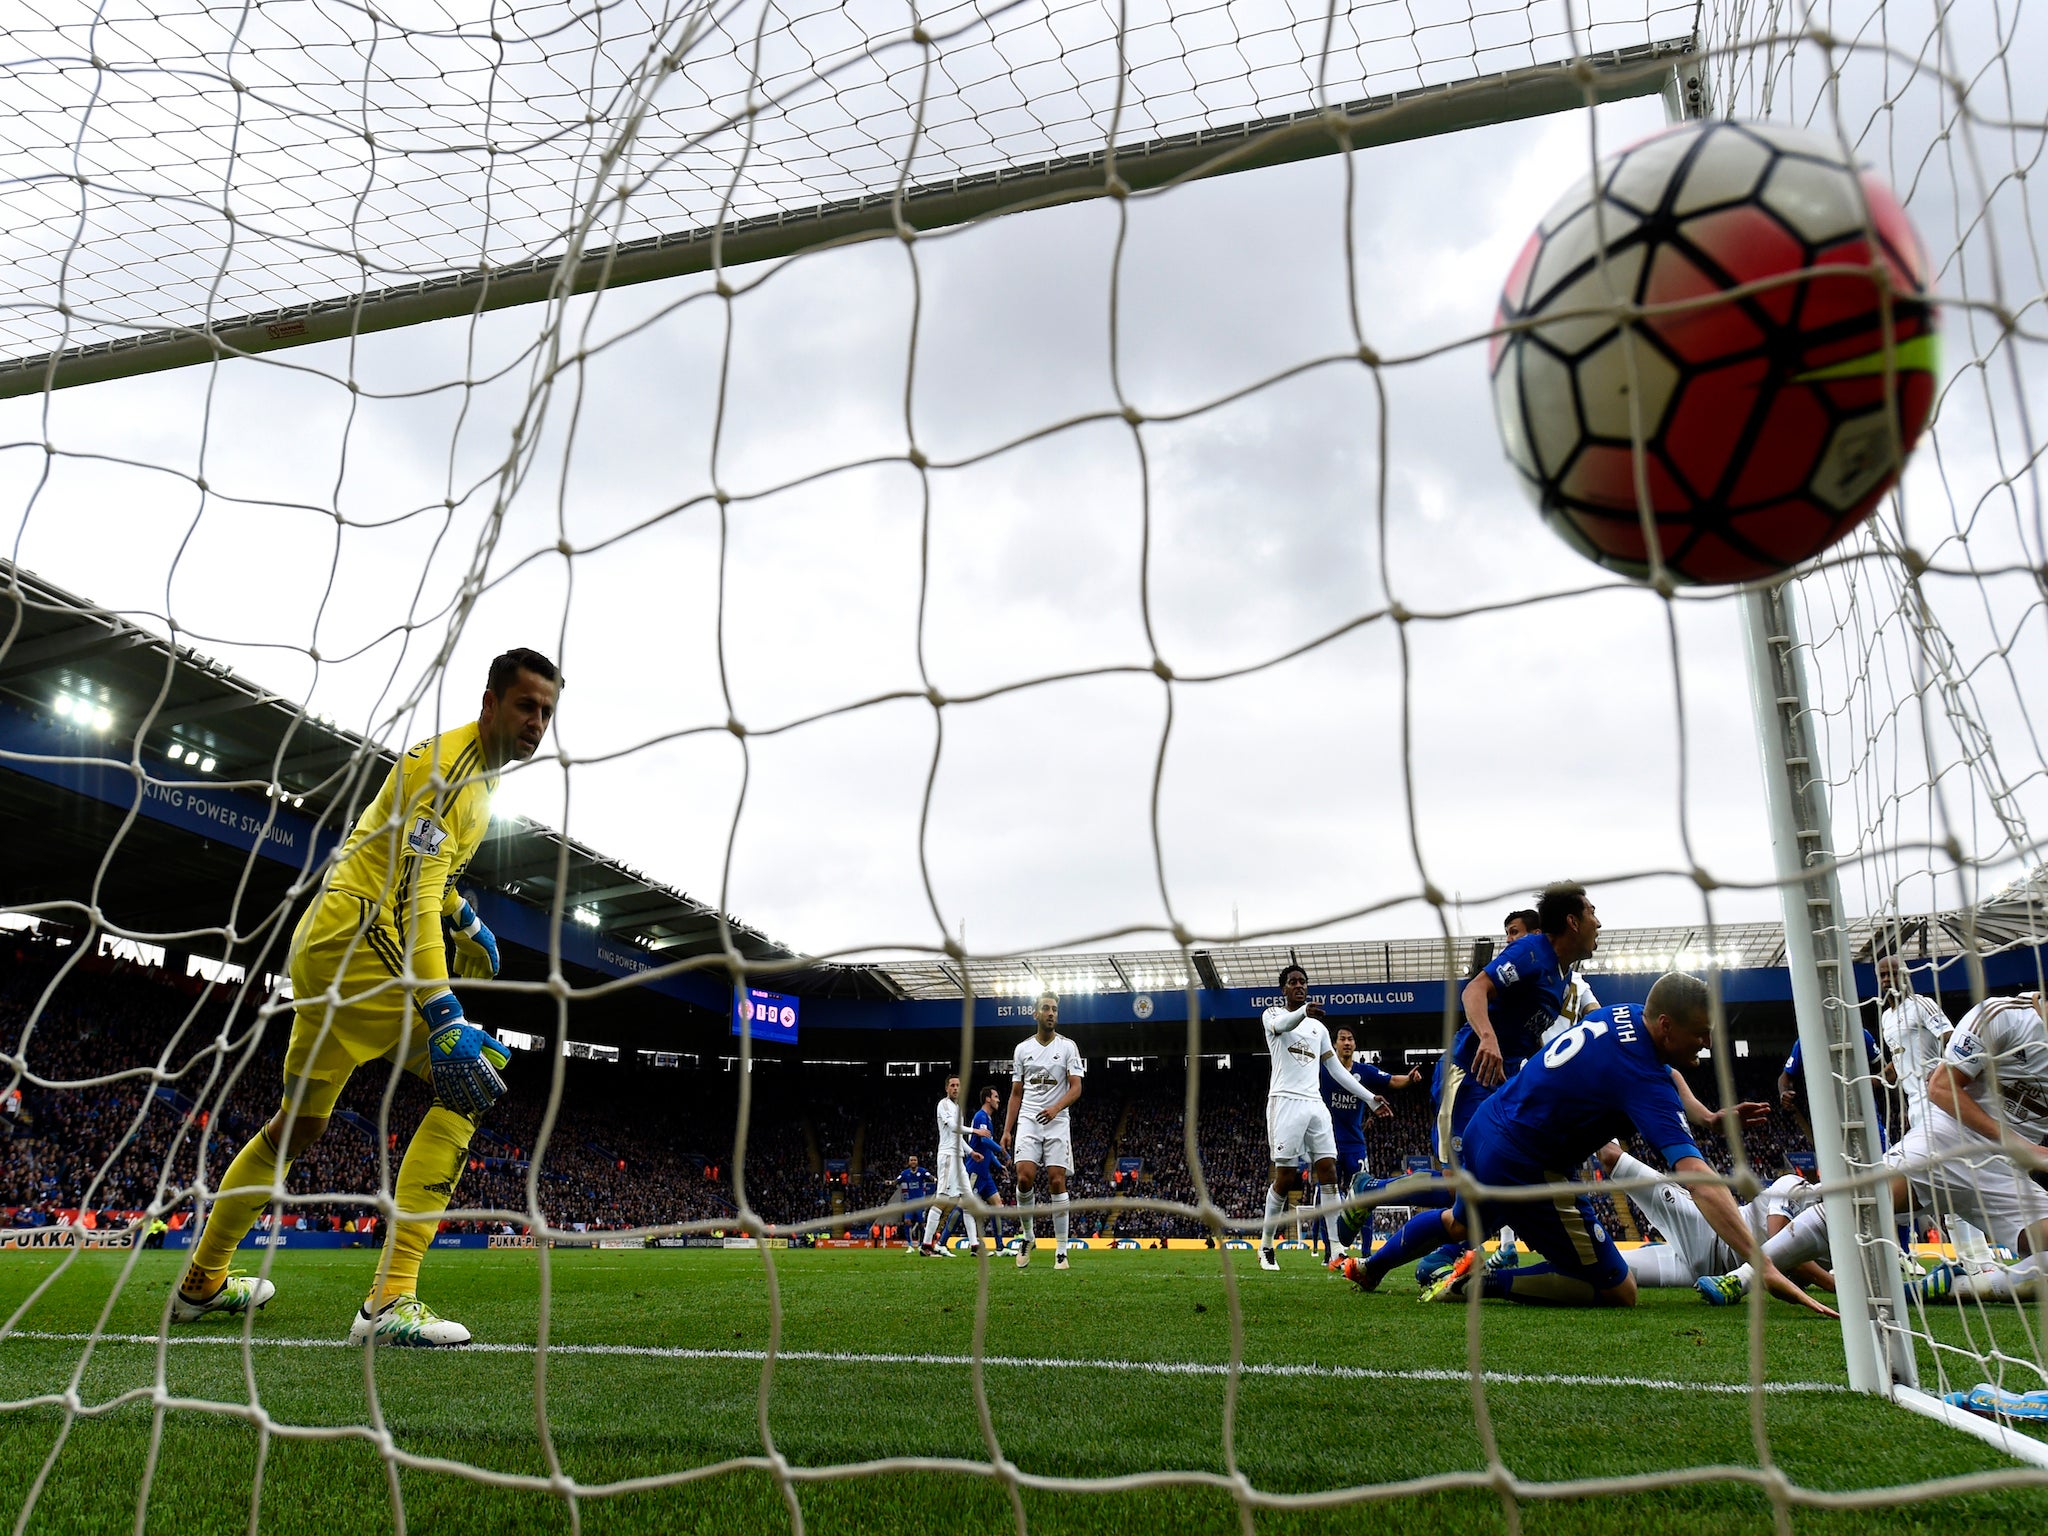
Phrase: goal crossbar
(1395, 117)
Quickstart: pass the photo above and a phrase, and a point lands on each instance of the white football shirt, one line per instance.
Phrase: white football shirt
(2006, 1038)
(1045, 1071)
(1297, 1056)
(949, 1132)
(1578, 1002)
(1785, 1196)
(1915, 1032)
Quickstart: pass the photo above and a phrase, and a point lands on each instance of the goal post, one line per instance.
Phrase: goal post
(1861, 1237)
(1142, 165)
(462, 185)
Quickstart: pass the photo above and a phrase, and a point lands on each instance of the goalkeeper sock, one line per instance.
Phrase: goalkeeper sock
(1027, 1206)
(1059, 1223)
(1276, 1207)
(232, 1216)
(426, 1183)
(1539, 1285)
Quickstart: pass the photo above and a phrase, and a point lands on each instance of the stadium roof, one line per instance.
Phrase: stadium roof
(67, 663)
(2011, 919)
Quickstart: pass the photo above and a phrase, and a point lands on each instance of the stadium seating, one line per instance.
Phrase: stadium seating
(632, 1146)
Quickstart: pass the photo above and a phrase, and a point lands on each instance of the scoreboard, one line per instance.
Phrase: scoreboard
(764, 1015)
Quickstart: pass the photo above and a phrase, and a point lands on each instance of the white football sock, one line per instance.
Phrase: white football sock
(1027, 1211)
(1627, 1166)
(973, 1230)
(1805, 1239)
(1658, 1264)
(1059, 1223)
(931, 1226)
(1973, 1248)
(2007, 1282)
(1276, 1205)
(1336, 1242)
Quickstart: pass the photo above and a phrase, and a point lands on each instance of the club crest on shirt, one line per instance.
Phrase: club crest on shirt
(426, 836)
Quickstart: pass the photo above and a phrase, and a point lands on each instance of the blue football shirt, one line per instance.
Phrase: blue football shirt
(1591, 1085)
(1528, 994)
(1347, 1110)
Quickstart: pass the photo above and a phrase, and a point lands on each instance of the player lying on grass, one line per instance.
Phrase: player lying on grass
(380, 916)
(1986, 1098)
(1297, 1120)
(1692, 1248)
(1608, 1074)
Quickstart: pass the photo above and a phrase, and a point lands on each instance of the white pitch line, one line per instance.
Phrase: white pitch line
(1002, 1362)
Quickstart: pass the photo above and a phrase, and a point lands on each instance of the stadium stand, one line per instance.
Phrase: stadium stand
(634, 1145)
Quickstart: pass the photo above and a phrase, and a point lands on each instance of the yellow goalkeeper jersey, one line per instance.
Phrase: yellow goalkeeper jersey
(414, 840)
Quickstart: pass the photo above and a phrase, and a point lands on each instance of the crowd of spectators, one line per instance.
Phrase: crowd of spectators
(630, 1145)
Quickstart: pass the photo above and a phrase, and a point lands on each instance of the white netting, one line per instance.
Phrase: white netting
(1919, 663)
(892, 580)
(176, 167)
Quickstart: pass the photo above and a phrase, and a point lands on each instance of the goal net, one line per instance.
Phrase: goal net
(1013, 492)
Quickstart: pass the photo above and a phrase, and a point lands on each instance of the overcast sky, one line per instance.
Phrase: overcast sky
(1542, 739)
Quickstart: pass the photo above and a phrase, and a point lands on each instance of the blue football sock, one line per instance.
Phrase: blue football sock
(1421, 1232)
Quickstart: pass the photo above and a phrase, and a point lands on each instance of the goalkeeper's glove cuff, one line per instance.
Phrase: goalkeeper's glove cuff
(472, 928)
(443, 1008)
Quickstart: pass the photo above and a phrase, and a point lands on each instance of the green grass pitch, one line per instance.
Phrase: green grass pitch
(614, 1415)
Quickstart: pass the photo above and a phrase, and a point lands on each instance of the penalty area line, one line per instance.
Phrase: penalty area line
(995, 1362)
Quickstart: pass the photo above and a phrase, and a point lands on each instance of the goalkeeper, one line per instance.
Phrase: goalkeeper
(381, 916)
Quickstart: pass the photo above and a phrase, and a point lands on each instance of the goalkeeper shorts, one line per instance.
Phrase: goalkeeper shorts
(343, 944)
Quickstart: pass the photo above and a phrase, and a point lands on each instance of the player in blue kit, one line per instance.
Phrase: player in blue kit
(1794, 1096)
(981, 1137)
(1605, 1077)
(1508, 1006)
(916, 1183)
(1347, 1120)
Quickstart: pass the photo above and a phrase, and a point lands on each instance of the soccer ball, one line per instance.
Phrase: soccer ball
(1771, 423)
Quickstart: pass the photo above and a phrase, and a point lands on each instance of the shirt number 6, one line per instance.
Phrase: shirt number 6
(1571, 1042)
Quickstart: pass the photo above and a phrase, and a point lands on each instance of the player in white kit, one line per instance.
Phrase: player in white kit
(1989, 1088)
(1692, 1249)
(954, 1155)
(1046, 1074)
(1914, 1030)
(1298, 1124)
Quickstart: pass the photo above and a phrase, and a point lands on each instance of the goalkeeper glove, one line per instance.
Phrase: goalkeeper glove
(474, 947)
(463, 1058)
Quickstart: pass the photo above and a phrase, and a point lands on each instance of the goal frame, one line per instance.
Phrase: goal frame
(1540, 90)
